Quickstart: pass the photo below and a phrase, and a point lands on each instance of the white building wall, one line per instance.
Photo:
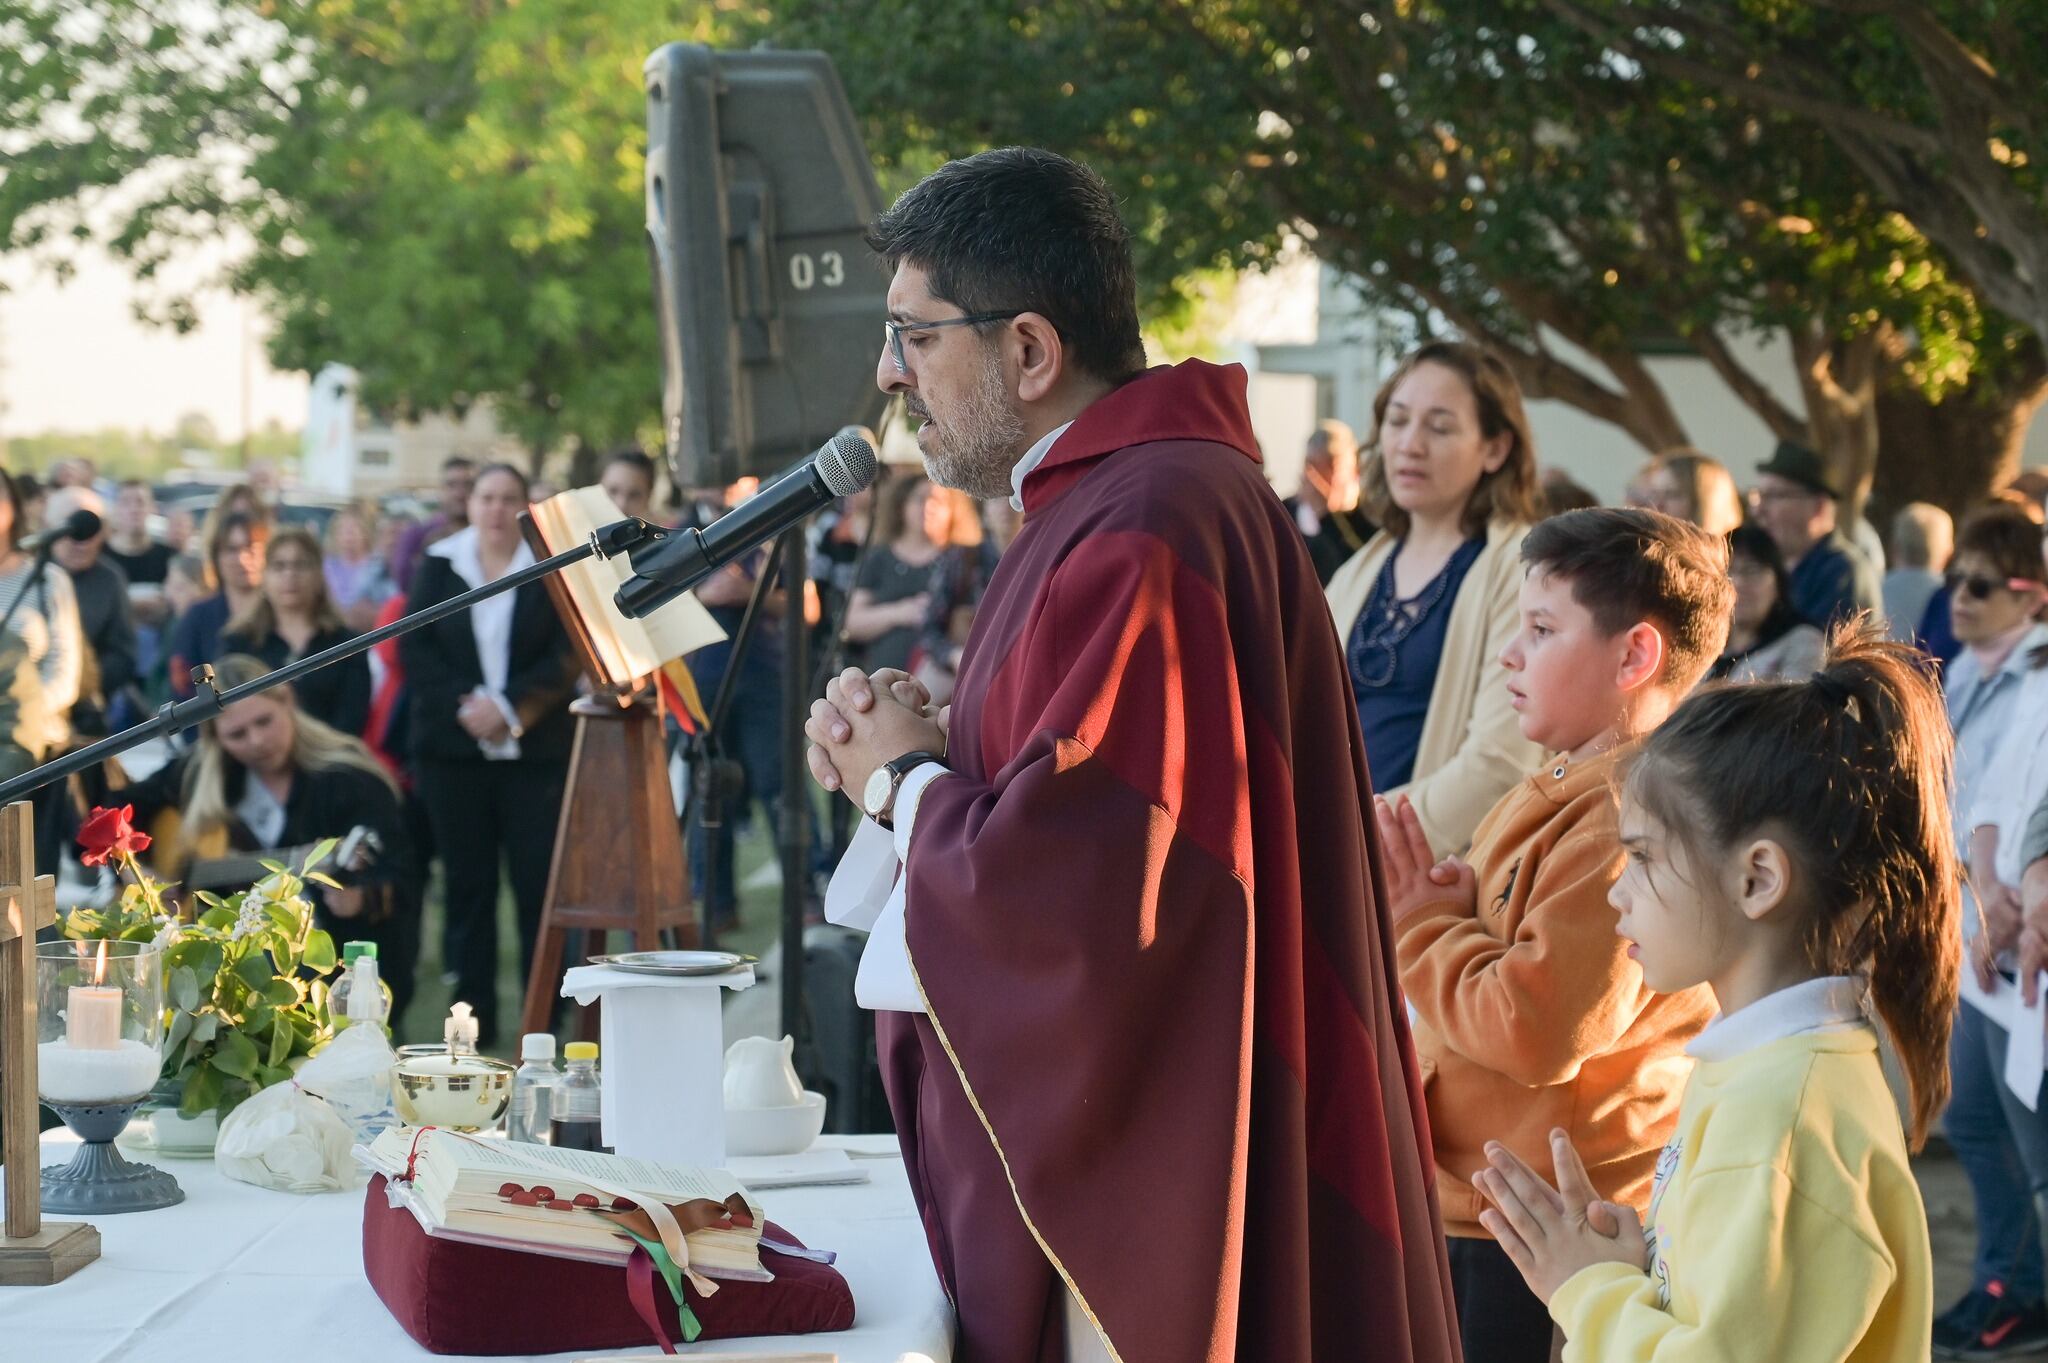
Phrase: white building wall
(347, 452)
(1342, 361)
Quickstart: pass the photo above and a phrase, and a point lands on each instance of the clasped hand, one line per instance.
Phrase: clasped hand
(481, 718)
(1414, 874)
(1552, 1233)
(865, 722)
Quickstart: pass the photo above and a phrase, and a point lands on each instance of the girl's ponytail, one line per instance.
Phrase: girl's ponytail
(1909, 938)
(1851, 768)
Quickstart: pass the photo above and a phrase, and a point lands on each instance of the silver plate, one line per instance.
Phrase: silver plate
(673, 962)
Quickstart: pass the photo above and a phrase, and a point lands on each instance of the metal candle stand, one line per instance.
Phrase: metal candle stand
(99, 1180)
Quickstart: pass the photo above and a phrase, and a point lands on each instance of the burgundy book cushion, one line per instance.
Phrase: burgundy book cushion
(456, 1298)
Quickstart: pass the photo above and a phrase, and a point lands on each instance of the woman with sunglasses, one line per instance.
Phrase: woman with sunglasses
(1768, 640)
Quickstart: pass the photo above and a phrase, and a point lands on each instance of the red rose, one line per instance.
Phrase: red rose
(110, 833)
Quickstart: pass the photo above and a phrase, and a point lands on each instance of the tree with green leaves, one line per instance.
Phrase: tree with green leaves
(1482, 163)
(1929, 101)
(444, 195)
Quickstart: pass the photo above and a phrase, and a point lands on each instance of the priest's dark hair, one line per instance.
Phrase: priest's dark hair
(1850, 771)
(1025, 230)
(1626, 565)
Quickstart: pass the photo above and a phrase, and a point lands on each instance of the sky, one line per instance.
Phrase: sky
(73, 358)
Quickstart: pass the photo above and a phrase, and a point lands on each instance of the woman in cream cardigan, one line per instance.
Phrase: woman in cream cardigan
(1425, 608)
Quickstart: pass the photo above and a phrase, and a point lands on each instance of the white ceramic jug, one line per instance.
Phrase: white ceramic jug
(758, 1073)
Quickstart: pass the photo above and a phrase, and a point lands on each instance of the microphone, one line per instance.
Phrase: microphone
(79, 525)
(664, 570)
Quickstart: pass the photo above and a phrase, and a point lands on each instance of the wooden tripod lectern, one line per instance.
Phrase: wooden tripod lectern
(33, 1252)
(619, 863)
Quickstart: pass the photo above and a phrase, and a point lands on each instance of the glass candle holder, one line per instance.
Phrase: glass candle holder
(100, 1010)
(99, 1049)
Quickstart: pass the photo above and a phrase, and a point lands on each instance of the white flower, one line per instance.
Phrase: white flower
(250, 918)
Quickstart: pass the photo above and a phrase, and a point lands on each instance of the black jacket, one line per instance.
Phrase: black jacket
(323, 804)
(1340, 535)
(104, 619)
(338, 693)
(441, 667)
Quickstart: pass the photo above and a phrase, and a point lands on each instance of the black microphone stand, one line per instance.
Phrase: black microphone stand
(714, 779)
(604, 542)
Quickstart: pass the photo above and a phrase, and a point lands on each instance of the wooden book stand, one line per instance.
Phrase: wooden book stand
(619, 863)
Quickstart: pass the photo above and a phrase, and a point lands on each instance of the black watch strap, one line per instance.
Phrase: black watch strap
(898, 768)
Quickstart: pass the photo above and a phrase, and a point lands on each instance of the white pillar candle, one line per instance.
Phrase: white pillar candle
(92, 1017)
(70, 1074)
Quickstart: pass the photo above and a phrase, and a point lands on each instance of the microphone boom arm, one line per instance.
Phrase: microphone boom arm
(177, 716)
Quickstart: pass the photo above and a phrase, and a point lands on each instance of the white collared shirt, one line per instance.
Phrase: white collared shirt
(490, 621)
(1827, 1004)
(260, 812)
(1033, 457)
(2008, 787)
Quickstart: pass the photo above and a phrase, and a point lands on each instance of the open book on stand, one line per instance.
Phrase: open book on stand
(515, 1195)
(625, 650)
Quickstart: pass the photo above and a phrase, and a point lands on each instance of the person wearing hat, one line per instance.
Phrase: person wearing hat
(1794, 501)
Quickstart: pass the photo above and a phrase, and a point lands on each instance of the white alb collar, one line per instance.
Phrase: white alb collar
(1033, 457)
(1827, 1004)
(463, 555)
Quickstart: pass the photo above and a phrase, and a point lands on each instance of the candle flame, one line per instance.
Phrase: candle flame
(99, 969)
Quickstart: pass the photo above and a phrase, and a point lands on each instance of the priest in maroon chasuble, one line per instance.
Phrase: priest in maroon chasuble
(1154, 1084)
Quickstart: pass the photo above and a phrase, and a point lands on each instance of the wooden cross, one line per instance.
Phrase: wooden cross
(31, 1253)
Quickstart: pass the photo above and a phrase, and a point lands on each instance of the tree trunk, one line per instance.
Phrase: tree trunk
(583, 462)
(1957, 452)
(1839, 380)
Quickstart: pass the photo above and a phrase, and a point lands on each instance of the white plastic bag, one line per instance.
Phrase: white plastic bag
(354, 1075)
(285, 1139)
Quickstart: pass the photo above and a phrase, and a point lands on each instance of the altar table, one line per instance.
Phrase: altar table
(236, 1272)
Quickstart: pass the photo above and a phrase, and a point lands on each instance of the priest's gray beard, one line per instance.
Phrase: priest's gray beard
(974, 447)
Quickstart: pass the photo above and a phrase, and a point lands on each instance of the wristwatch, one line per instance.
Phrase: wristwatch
(878, 797)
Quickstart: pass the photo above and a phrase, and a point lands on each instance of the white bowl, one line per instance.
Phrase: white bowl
(775, 1130)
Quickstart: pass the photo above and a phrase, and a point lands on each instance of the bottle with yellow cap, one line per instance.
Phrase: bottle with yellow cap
(578, 1107)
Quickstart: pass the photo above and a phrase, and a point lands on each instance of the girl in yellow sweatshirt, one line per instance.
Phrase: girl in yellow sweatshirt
(1788, 845)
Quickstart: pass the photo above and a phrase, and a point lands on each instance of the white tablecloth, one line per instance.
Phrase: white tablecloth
(236, 1272)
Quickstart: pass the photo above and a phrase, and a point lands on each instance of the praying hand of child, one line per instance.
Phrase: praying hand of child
(1551, 1233)
(1414, 875)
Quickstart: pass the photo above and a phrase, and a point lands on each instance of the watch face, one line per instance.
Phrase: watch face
(875, 796)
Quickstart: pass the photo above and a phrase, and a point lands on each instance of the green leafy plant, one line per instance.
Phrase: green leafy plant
(245, 981)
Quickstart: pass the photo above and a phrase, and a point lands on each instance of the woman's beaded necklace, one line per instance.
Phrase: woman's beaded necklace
(1375, 647)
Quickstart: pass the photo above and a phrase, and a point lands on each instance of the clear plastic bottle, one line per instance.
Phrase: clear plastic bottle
(344, 985)
(533, 1090)
(354, 1073)
(577, 1117)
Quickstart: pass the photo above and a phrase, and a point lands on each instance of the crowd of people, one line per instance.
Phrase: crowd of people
(1516, 654)
(1532, 1007)
(466, 721)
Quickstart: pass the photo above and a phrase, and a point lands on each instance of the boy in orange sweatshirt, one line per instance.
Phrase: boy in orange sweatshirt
(1529, 1012)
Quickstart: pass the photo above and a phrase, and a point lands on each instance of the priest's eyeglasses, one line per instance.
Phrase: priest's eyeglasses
(895, 330)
